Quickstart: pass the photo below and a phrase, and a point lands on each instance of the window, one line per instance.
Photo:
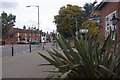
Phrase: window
(109, 25)
(25, 34)
(18, 34)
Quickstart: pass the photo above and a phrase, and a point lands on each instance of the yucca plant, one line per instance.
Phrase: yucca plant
(89, 59)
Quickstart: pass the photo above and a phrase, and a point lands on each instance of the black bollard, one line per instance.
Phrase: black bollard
(12, 51)
(30, 47)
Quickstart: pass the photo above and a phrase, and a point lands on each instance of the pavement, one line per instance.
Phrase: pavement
(25, 65)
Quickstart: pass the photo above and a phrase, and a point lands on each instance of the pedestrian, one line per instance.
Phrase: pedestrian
(52, 41)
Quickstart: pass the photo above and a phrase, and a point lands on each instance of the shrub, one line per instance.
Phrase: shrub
(88, 59)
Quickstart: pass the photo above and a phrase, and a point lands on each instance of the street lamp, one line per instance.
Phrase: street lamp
(114, 22)
(38, 12)
(38, 15)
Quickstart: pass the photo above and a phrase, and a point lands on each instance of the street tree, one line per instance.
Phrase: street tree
(89, 12)
(7, 21)
(69, 16)
(88, 8)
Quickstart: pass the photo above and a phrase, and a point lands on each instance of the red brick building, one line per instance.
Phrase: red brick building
(16, 34)
(107, 11)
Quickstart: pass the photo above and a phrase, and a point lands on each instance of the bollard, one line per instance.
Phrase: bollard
(12, 51)
(30, 47)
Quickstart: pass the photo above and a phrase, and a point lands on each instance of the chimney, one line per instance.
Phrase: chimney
(24, 27)
(11, 26)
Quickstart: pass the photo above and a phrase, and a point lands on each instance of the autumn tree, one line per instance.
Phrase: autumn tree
(69, 16)
(91, 26)
(7, 21)
(89, 12)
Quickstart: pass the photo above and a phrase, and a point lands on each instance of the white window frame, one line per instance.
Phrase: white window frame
(18, 34)
(107, 27)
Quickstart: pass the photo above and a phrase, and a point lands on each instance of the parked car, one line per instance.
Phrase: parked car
(22, 42)
(2, 42)
(34, 42)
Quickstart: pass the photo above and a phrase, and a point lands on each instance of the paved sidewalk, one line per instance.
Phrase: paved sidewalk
(25, 66)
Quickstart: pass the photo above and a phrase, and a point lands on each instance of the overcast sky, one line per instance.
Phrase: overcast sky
(29, 16)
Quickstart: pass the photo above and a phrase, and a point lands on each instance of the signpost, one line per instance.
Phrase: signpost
(85, 31)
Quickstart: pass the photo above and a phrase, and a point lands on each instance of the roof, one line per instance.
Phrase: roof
(25, 30)
(100, 5)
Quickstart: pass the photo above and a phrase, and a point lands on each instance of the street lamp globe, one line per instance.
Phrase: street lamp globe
(114, 20)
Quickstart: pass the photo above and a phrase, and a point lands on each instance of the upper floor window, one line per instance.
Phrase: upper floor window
(18, 34)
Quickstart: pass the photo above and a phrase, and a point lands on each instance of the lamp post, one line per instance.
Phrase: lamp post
(38, 14)
(114, 22)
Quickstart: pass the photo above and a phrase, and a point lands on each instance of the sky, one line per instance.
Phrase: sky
(28, 16)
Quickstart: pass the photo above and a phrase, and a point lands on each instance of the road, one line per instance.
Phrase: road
(22, 48)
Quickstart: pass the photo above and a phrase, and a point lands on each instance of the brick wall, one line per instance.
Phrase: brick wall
(106, 9)
(118, 16)
(9, 40)
(7, 37)
(119, 25)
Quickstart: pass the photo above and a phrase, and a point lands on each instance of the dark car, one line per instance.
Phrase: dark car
(33, 42)
(2, 42)
(22, 42)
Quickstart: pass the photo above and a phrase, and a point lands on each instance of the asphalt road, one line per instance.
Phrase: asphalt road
(22, 48)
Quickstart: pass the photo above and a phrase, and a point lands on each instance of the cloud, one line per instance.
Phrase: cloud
(29, 16)
(9, 5)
